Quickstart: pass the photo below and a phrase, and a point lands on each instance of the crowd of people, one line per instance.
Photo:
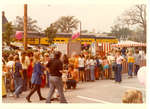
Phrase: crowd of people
(32, 71)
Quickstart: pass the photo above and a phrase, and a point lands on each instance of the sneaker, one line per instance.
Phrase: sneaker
(42, 98)
(11, 94)
(28, 99)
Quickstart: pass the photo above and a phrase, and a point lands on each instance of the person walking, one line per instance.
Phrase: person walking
(36, 78)
(18, 77)
(55, 67)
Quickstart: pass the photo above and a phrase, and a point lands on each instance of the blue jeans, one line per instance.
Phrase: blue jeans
(56, 82)
(118, 73)
(92, 72)
(130, 69)
(18, 85)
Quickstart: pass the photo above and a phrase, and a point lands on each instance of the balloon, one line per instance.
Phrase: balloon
(142, 75)
(19, 35)
(85, 44)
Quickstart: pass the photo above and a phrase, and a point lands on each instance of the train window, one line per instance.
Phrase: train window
(57, 40)
(62, 40)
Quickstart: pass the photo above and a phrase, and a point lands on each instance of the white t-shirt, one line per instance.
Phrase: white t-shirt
(81, 62)
(119, 60)
(10, 64)
(100, 61)
(92, 62)
(87, 63)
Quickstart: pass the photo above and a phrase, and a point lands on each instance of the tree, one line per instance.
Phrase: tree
(8, 32)
(50, 32)
(136, 16)
(120, 31)
(67, 24)
(31, 24)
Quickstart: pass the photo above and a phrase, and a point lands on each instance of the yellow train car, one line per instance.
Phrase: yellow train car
(86, 40)
(112, 41)
(40, 39)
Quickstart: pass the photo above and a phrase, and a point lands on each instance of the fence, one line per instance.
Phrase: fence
(125, 66)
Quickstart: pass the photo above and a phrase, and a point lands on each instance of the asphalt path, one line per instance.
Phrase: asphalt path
(100, 91)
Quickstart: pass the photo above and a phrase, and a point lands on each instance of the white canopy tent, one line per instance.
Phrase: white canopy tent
(129, 43)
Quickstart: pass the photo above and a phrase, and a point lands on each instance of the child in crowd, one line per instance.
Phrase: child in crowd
(106, 67)
(72, 78)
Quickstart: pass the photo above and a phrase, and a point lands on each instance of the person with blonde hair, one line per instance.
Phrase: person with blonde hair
(130, 64)
(132, 96)
(37, 76)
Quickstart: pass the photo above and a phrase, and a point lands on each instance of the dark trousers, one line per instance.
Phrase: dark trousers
(88, 76)
(118, 73)
(71, 83)
(136, 69)
(37, 88)
(25, 80)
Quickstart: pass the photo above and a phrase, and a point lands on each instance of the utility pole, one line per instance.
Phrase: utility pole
(80, 31)
(25, 27)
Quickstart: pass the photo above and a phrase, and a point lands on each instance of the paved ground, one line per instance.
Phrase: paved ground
(100, 91)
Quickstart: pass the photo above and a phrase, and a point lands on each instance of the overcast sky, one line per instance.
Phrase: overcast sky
(94, 16)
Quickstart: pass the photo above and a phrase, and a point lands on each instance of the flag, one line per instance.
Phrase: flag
(75, 35)
(19, 35)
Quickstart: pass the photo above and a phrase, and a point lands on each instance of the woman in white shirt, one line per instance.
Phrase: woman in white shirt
(81, 62)
(25, 61)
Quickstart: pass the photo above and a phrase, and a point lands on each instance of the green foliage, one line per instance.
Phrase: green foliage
(120, 32)
(50, 32)
(6, 36)
(67, 24)
(31, 24)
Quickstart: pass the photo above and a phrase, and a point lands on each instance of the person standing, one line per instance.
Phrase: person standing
(9, 76)
(45, 62)
(106, 67)
(37, 76)
(119, 60)
(130, 64)
(92, 68)
(81, 67)
(87, 68)
(55, 67)
(137, 62)
(25, 61)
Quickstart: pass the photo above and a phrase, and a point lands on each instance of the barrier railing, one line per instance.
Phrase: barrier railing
(125, 66)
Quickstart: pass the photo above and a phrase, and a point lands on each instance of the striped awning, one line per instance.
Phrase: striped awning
(106, 47)
(129, 44)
